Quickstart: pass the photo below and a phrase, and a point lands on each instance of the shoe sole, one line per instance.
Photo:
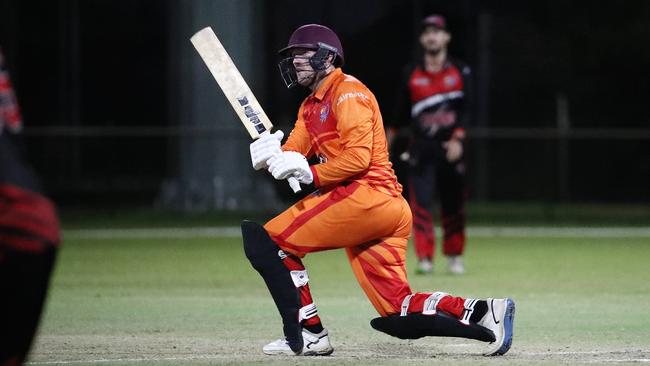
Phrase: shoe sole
(318, 353)
(307, 353)
(508, 325)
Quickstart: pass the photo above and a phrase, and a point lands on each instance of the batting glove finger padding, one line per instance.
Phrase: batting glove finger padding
(264, 148)
(290, 163)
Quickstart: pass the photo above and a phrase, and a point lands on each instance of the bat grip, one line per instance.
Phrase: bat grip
(294, 184)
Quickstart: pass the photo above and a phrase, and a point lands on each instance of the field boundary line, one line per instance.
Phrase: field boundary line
(561, 232)
(476, 231)
(154, 233)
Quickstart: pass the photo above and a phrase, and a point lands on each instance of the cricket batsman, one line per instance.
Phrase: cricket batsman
(357, 207)
(29, 236)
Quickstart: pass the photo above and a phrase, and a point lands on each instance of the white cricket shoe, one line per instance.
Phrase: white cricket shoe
(499, 319)
(314, 345)
(424, 266)
(455, 264)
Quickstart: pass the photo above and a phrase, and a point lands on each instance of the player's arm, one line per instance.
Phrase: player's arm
(455, 144)
(354, 112)
(292, 160)
(353, 109)
(465, 117)
(298, 139)
(464, 112)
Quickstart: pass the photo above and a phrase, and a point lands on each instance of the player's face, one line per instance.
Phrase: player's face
(434, 39)
(304, 72)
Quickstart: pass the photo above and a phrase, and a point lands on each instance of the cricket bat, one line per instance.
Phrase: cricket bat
(235, 88)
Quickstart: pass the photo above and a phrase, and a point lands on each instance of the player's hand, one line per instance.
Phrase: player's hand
(291, 163)
(264, 148)
(454, 149)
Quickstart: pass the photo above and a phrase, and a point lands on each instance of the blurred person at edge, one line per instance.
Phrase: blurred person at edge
(427, 138)
(29, 235)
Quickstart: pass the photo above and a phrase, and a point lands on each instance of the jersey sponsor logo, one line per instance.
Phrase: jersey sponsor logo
(421, 81)
(346, 96)
(450, 81)
(433, 121)
(324, 112)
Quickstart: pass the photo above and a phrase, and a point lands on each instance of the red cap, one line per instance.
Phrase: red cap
(435, 20)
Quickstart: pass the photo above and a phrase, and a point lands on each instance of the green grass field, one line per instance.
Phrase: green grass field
(180, 297)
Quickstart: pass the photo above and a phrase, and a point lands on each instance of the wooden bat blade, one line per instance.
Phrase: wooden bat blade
(232, 83)
(234, 86)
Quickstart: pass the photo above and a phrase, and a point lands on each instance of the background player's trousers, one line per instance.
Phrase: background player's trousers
(428, 179)
(373, 227)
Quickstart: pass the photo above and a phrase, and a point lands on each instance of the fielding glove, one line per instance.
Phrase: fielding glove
(264, 148)
(290, 163)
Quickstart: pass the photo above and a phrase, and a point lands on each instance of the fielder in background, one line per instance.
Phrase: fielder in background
(357, 206)
(426, 137)
(29, 236)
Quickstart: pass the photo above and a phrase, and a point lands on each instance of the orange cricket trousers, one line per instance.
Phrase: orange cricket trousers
(373, 227)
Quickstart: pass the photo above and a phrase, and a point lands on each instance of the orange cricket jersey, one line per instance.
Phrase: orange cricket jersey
(341, 124)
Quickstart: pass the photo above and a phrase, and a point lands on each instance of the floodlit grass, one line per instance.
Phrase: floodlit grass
(198, 301)
(515, 213)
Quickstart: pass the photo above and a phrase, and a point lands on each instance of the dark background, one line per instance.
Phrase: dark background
(93, 81)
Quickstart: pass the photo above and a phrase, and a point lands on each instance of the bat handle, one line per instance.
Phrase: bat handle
(294, 184)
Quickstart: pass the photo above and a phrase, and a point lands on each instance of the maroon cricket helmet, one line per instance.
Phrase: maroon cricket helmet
(314, 37)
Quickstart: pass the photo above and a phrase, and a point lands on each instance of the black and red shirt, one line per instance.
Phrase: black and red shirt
(435, 104)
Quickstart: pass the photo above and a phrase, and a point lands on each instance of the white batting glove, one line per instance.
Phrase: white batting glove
(264, 148)
(291, 163)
